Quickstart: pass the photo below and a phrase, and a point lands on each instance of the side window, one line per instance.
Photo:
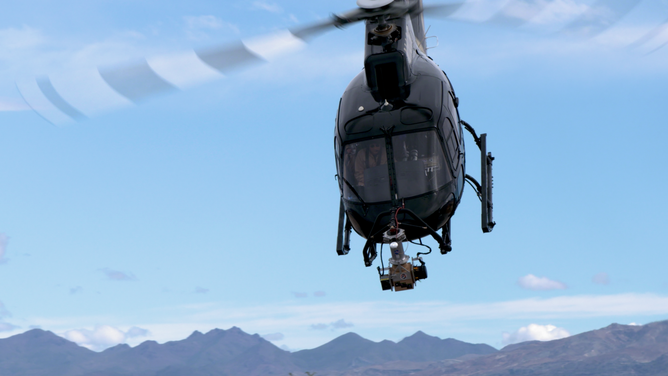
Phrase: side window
(451, 143)
(454, 112)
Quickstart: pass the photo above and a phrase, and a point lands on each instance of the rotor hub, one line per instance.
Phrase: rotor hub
(384, 30)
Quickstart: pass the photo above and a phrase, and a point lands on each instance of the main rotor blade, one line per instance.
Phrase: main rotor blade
(600, 16)
(586, 21)
(649, 39)
(82, 94)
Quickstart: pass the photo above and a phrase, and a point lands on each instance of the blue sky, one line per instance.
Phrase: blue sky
(217, 206)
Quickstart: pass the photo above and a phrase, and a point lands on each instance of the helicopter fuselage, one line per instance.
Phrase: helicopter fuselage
(398, 139)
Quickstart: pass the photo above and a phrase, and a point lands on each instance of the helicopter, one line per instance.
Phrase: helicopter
(399, 147)
(398, 141)
(398, 138)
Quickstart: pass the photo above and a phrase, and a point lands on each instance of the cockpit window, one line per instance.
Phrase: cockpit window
(365, 171)
(419, 163)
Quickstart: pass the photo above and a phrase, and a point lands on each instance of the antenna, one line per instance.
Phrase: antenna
(427, 38)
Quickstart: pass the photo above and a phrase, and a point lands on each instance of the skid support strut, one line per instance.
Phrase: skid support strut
(486, 178)
(484, 188)
(343, 236)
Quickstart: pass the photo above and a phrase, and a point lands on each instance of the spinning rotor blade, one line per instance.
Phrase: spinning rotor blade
(61, 99)
(652, 34)
(600, 16)
(592, 20)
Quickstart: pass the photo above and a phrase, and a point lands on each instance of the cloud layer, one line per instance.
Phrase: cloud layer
(535, 332)
(103, 336)
(339, 324)
(531, 282)
(308, 325)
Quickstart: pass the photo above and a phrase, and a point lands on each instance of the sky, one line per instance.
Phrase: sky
(218, 206)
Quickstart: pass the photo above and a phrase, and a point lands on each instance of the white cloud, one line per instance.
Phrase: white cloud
(535, 332)
(26, 37)
(425, 314)
(7, 327)
(135, 332)
(4, 240)
(339, 324)
(204, 22)
(102, 336)
(198, 26)
(308, 325)
(269, 7)
(531, 282)
(601, 279)
(116, 275)
(4, 312)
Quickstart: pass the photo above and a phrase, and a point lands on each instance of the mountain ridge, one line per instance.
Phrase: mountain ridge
(615, 350)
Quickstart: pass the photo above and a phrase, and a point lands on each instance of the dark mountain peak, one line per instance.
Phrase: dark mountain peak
(40, 352)
(420, 337)
(420, 334)
(147, 345)
(215, 332)
(118, 348)
(37, 334)
(347, 341)
(40, 339)
(219, 333)
(350, 335)
(196, 334)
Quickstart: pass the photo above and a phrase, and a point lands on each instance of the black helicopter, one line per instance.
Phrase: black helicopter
(399, 146)
(398, 140)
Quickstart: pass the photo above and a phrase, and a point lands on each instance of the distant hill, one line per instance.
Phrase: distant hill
(352, 351)
(613, 351)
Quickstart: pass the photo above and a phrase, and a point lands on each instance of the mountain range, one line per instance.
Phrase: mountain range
(611, 351)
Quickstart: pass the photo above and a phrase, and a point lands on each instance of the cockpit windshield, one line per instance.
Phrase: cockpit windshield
(365, 171)
(418, 161)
